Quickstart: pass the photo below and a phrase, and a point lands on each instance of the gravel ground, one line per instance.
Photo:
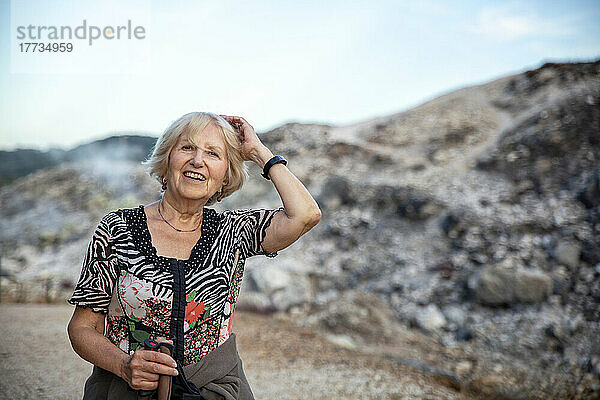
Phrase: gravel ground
(280, 360)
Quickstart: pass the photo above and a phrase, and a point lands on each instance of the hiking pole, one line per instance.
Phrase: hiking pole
(165, 382)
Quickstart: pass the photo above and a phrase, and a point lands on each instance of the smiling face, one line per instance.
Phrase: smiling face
(198, 165)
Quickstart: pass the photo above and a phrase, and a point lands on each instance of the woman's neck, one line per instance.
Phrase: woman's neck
(183, 214)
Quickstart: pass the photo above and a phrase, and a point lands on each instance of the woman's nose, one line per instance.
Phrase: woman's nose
(197, 160)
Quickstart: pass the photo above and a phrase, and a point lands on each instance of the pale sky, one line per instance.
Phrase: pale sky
(272, 62)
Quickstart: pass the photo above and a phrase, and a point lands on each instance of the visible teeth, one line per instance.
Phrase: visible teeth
(194, 176)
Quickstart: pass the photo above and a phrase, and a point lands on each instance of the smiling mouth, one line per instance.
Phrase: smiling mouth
(194, 176)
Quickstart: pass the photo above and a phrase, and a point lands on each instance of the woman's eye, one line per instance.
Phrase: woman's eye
(212, 153)
(186, 147)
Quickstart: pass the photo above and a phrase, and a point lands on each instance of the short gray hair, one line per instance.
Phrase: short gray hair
(158, 162)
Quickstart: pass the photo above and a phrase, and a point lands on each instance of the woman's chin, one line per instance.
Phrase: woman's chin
(192, 195)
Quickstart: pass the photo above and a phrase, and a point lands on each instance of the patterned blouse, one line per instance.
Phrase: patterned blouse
(146, 295)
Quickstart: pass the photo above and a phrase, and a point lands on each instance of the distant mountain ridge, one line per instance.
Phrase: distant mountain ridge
(17, 163)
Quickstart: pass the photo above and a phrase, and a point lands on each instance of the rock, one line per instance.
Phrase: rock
(336, 191)
(358, 313)
(431, 319)
(463, 334)
(505, 284)
(283, 288)
(9, 289)
(344, 341)
(455, 315)
(532, 286)
(570, 326)
(567, 253)
(325, 296)
(590, 252)
(449, 222)
(292, 295)
(9, 267)
(446, 378)
(408, 202)
(267, 278)
(495, 386)
(589, 195)
(25, 255)
(407, 312)
(595, 366)
(254, 301)
(463, 368)
(561, 281)
(555, 337)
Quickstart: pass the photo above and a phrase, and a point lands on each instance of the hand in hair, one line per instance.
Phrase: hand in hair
(252, 148)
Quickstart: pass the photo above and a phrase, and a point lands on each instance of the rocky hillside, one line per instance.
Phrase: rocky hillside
(22, 162)
(461, 237)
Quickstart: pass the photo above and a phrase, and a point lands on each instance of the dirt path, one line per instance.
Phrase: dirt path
(281, 361)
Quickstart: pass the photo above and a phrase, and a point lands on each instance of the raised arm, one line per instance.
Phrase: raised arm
(301, 211)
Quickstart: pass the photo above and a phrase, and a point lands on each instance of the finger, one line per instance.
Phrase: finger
(157, 368)
(161, 364)
(244, 122)
(241, 121)
(159, 358)
(238, 120)
(236, 124)
(146, 376)
(229, 118)
(146, 385)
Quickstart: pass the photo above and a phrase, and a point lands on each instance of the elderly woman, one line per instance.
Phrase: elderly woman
(172, 270)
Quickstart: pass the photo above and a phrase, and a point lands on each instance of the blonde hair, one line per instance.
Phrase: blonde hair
(158, 162)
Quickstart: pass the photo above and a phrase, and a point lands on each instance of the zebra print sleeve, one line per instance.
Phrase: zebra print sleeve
(99, 272)
(253, 227)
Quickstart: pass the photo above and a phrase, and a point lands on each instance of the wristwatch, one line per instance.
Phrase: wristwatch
(270, 163)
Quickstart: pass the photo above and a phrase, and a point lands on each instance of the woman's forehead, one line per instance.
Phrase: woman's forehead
(209, 135)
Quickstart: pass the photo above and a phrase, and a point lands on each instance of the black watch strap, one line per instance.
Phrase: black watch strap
(270, 163)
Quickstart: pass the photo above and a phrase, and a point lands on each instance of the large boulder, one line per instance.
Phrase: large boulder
(357, 313)
(507, 284)
(430, 318)
(336, 191)
(568, 253)
(283, 287)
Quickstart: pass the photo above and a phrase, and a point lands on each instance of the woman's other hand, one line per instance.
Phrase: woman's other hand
(252, 148)
(301, 211)
(143, 368)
